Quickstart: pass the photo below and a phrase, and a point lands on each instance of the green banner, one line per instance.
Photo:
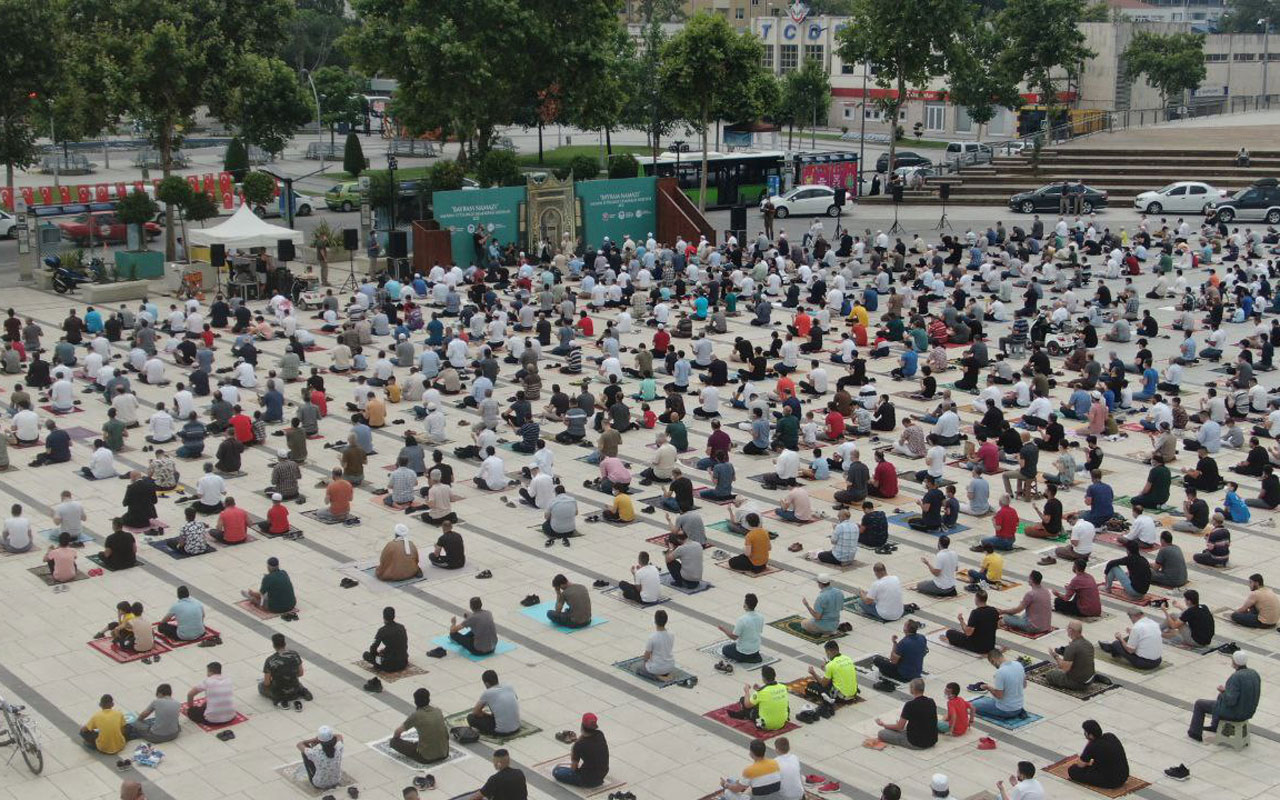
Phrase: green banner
(615, 208)
(462, 211)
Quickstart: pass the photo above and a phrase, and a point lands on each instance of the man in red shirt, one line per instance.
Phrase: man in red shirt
(835, 424)
(987, 457)
(277, 522)
(243, 426)
(884, 481)
(319, 401)
(784, 389)
(585, 325)
(1080, 597)
(661, 341)
(803, 323)
(1006, 524)
(233, 523)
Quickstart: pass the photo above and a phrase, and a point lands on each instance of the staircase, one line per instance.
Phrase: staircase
(1121, 173)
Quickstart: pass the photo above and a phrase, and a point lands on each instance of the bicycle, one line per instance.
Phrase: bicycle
(22, 735)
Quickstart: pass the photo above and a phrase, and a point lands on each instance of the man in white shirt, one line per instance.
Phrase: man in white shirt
(1143, 647)
(26, 426)
(102, 463)
(1038, 412)
(647, 588)
(1024, 784)
(209, 491)
(1142, 529)
(541, 489)
(884, 599)
(153, 372)
(62, 396)
(69, 516)
(786, 469)
(160, 425)
(1081, 543)
(126, 405)
(492, 475)
(789, 767)
(16, 534)
(944, 566)
(946, 431)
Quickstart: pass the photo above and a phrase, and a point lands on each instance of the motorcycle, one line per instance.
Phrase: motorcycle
(64, 280)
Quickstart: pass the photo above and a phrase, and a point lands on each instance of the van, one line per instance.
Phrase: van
(967, 153)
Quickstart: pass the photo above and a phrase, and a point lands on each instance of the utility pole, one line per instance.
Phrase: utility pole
(395, 190)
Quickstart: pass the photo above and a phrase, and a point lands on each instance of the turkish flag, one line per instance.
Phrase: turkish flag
(228, 200)
(101, 193)
(225, 182)
(83, 194)
(6, 197)
(64, 194)
(46, 195)
(28, 195)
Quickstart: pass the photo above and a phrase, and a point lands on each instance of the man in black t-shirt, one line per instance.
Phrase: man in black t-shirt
(1188, 623)
(917, 725)
(506, 783)
(930, 518)
(449, 552)
(978, 634)
(280, 674)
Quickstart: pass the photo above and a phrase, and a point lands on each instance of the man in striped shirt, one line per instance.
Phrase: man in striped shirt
(219, 698)
(401, 484)
(761, 778)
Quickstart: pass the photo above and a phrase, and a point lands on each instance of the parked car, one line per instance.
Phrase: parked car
(1048, 197)
(303, 206)
(903, 158)
(343, 196)
(1259, 203)
(1183, 197)
(807, 200)
(8, 225)
(104, 226)
(967, 153)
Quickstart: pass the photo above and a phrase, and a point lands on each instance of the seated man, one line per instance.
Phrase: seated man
(275, 593)
(1102, 763)
(763, 777)
(838, 680)
(209, 492)
(744, 636)
(906, 660)
(105, 730)
(1132, 572)
(280, 675)
(476, 632)
(1073, 664)
(844, 542)
(193, 538)
(978, 633)
(1237, 699)
(399, 558)
(1261, 607)
(1035, 613)
(1142, 647)
(449, 552)
(824, 614)
(883, 600)
(1188, 623)
(433, 733)
(497, 711)
(755, 546)
(1080, 597)
(684, 560)
(588, 758)
(659, 651)
(943, 569)
(767, 703)
(390, 649)
(1005, 692)
(233, 524)
(917, 724)
(647, 588)
(219, 698)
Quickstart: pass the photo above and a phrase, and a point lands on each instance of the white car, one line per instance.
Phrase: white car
(8, 225)
(304, 204)
(811, 199)
(1183, 197)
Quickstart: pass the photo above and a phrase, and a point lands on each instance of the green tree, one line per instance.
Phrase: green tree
(445, 176)
(1172, 63)
(353, 156)
(978, 84)
(340, 92)
(499, 168)
(236, 159)
(1043, 45)
(28, 69)
(136, 209)
(176, 192)
(806, 95)
(708, 68)
(908, 40)
(313, 34)
(583, 168)
(267, 104)
(651, 107)
(201, 207)
(259, 189)
(1242, 15)
(623, 165)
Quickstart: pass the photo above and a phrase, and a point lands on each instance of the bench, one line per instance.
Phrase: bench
(111, 292)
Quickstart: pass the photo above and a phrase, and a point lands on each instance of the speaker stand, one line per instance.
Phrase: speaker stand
(897, 226)
(350, 285)
(943, 222)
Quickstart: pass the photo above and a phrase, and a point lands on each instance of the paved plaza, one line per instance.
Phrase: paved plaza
(662, 744)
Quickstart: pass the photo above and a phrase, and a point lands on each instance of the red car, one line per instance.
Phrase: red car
(101, 227)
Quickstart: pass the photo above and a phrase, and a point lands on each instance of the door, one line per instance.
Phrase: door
(1048, 200)
(1197, 198)
(1176, 199)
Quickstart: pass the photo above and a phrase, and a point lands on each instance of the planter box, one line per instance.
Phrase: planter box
(145, 264)
(112, 292)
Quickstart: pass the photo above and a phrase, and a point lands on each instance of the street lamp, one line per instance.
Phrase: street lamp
(319, 128)
(53, 139)
(1266, 53)
(395, 190)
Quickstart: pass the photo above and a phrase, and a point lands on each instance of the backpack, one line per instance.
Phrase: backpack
(464, 734)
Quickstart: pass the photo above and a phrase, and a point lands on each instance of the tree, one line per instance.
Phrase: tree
(236, 160)
(136, 209)
(651, 106)
(1242, 15)
(1043, 45)
(499, 168)
(340, 92)
(908, 40)
(978, 84)
(583, 168)
(806, 95)
(259, 189)
(266, 104)
(201, 207)
(708, 67)
(445, 176)
(176, 192)
(1171, 63)
(353, 156)
(623, 165)
(312, 34)
(28, 69)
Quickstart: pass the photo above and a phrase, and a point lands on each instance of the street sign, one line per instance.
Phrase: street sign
(364, 183)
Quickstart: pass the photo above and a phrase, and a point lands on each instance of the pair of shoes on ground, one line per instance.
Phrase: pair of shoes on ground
(821, 784)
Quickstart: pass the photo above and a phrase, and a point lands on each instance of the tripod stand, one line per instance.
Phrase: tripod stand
(350, 284)
(897, 226)
(943, 222)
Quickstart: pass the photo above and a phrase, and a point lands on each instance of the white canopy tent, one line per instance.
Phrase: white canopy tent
(245, 230)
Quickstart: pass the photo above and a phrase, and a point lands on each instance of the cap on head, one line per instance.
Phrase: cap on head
(589, 721)
(325, 734)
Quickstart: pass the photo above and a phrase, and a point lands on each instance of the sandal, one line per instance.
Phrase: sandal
(483, 574)
(566, 737)
(795, 547)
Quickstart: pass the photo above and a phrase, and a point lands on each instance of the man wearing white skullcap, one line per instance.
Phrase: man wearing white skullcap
(1237, 699)
(399, 559)
(322, 758)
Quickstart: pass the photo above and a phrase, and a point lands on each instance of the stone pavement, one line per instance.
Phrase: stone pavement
(662, 745)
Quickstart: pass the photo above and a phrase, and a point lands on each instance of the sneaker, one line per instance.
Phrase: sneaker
(530, 600)
(829, 786)
(814, 779)
(725, 667)
(347, 583)
(600, 583)
(884, 685)
(437, 652)
(1178, 773)
(986, 743)
(1047, 561)
(484, 575)
(373, 685)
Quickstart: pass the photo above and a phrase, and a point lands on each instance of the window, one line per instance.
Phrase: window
(813, 52)
(739, 13)
(873, 114)
(1198, 189)
(1273, 56)
(935, 117)
(1210, 58)
(846, 68)
(963, 123)
(848, 113)
(1244, 56)
(766, 60)
(788, 57)
(1178, 191)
